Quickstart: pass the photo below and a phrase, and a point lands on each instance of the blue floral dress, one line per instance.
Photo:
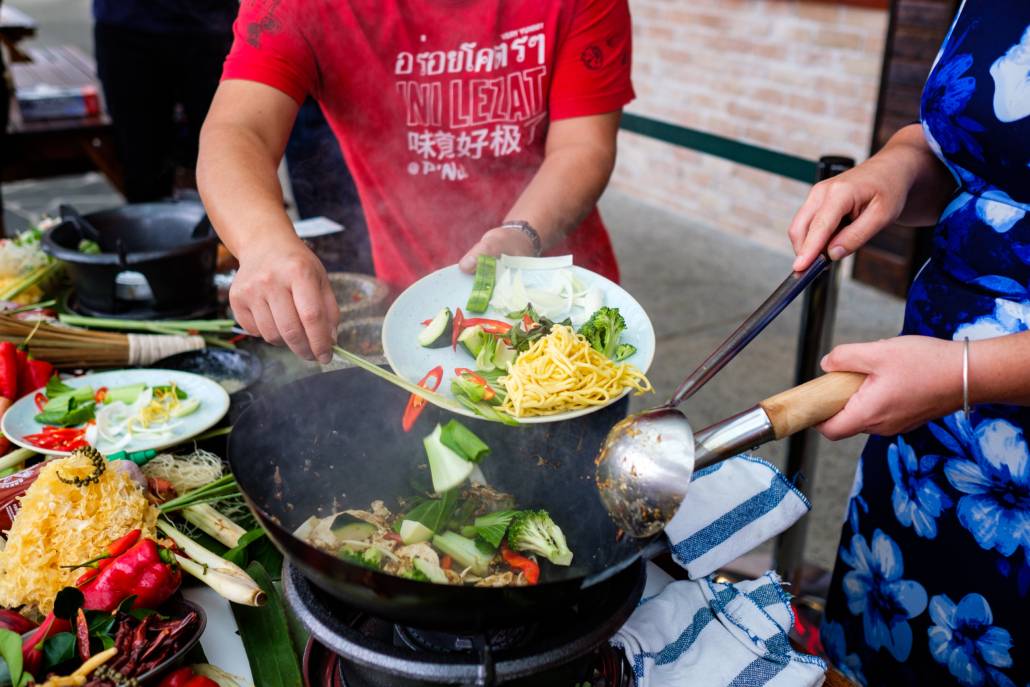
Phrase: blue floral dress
(932, 580)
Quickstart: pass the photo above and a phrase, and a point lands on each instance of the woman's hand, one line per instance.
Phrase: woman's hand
(911, 379)
(282, 293)
(902, 183)
(495, 242)
(872, 195)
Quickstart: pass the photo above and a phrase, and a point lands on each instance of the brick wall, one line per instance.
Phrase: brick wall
(796, 76)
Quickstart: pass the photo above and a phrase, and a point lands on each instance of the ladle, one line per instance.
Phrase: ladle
(647, 460)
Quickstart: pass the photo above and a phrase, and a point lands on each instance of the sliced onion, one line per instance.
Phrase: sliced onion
(522, 262)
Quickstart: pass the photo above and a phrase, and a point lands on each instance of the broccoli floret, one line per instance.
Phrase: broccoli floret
(623, 351)
(603, 329)
(533, 531)
(415, 574)
(370, 558)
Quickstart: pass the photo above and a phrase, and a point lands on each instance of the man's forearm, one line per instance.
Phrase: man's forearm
(238, 182)
(563, 191)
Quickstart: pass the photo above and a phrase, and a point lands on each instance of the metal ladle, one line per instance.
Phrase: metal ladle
(646, 462)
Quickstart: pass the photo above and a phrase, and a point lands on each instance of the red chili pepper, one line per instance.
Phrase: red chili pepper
(201, 681)
(489, 326)
(41, 400)
(517, 561)
(8, 371)
(416, 403)
(82, 635)
(114, 549)
(178, 678)
(425, 323)
(446, 562)
(15, 622)
(528, 323)
(393, 536)
(59, 438)
(139, 572)
(470, 375)
(459, 324)
(32, 645)
(100, 394)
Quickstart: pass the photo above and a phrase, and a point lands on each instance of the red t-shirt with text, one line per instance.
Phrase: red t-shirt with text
(442, 106)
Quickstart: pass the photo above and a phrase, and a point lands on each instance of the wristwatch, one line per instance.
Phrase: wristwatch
(527, 229)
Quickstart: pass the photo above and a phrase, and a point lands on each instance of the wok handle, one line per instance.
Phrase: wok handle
(813, 402)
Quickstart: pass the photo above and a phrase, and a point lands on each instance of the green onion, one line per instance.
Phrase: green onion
(213, 491)
(160, 327)
(483, 285)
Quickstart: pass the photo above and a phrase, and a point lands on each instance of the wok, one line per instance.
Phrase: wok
(334, 441)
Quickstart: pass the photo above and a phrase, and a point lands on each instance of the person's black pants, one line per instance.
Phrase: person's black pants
(145, 77)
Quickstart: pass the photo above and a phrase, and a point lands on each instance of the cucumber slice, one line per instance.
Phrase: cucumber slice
(354, 531)
(483, 285)
(434, 572)
(473, 339)
(187, 407)
(446, 467)
(437, 332)
(126, 394)
(413, 532)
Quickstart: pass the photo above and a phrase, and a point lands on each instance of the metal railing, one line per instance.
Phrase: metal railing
(819, 307)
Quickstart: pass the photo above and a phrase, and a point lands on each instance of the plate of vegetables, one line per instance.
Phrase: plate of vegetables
(119, 410)
(489, 340)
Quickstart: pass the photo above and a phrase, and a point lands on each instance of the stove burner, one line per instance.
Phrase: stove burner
(445, 642)
(568, 649)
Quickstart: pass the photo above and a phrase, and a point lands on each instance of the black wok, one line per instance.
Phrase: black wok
(334, 441)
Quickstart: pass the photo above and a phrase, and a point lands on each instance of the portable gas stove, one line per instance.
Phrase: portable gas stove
(350, 648)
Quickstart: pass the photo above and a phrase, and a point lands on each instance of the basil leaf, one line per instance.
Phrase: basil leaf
(10, 651)
(58, 649)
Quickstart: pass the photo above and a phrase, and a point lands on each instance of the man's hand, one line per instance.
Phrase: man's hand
(911, 379)
(495, 242)
(282, 293)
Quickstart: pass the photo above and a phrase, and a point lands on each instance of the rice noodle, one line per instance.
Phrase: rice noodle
(185, 472)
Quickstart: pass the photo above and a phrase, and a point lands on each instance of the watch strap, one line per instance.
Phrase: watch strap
(527, 229)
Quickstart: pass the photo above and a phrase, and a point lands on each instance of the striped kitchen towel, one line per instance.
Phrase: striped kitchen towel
(706, 634)
(731, 508)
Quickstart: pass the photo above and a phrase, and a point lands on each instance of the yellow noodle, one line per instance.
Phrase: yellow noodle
(562, 372)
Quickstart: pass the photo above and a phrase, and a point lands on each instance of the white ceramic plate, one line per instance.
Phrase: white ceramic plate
(19, 420)
(451, 287)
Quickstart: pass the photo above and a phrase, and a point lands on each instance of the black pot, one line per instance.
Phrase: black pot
(170, 243)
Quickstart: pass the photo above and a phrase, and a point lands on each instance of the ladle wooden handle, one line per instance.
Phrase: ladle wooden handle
(813, 402)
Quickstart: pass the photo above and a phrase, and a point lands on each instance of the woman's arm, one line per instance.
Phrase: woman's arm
(914, 379)
(578, 161)
(904, 182)
(281, 290)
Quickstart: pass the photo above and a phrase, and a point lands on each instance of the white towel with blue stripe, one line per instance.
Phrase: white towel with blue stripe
(707, 634)
(731, 508)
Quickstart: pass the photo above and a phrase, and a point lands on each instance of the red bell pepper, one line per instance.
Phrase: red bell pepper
(141, 572)
(8, 371)
(517, 561)
(40, 372)
(488, 391)
(114, 549)
(201, 681)
(416, 403)
(178, 678)
(21, 358)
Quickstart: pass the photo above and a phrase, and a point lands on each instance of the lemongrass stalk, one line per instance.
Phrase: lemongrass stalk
(235, 589)
(198, 553)
(30, 306)
(16, 458)
(436, 399)
(214, 523)
(135, 325)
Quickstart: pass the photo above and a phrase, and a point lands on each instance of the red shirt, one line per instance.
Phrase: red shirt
(442, 106)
